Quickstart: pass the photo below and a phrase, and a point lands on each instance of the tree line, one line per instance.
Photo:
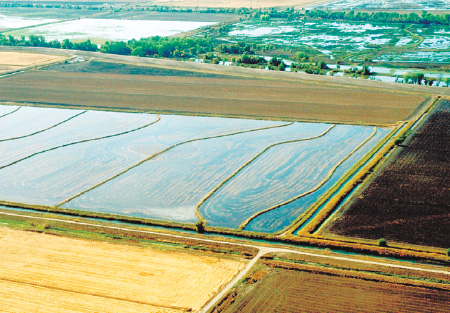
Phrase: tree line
(380, 17)
(40, 41)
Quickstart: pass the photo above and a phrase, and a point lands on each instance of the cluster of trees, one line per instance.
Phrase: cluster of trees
(237, 48)
(174, 47)
(318, 68)
(383, 17)
(274, 64)
(265, 15)
(167, 47)
(420, 79)
(39, 41)
(365, 70)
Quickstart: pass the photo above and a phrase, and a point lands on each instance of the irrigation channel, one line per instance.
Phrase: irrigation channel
(262, 250)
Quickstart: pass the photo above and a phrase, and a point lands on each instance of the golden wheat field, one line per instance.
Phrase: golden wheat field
(42, 272)
(12, 61)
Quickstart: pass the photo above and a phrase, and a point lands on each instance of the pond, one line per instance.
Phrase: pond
(99, 30)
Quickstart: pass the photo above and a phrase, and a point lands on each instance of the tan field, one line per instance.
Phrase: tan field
(47, 273)
(211, 96)
(238, 4)
(13, 61)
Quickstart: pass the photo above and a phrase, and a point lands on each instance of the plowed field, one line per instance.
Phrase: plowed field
(212, 96)
(284, 290)
(408, 200)
(46, 273)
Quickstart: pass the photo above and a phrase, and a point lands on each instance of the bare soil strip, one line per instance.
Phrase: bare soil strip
(253, 98)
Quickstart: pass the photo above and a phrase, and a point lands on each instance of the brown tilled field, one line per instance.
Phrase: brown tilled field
(294, 290)
(12, 61)
(408, 199)
(242, 97)
(49, 273)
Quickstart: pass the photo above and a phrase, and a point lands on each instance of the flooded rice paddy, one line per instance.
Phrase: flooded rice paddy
(164, 167)
(108, 29)
(428, 5)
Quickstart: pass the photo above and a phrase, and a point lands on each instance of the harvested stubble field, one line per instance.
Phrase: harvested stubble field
(261, 98)
(275, 286)
(13, 61)
(88, 275)
(408, 198)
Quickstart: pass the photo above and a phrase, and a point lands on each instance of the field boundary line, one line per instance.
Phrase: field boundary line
(213, 301)
(13, 111)
(319, 185)
(80, 141)
(16, 281)
(353, 171)
(248, 245)
(45, 129)
(221, 184)
(165, 150)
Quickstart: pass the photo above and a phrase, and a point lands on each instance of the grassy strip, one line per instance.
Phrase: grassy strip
(248, 163)
(45, 129)
(163, 151)
(81, 141)
(59, 228)
(400, 251)
(313, 189)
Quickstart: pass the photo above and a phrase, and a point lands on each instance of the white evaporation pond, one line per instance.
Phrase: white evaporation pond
(262, 31)
(436, 42)
(110, 29)
(403, 42)
(357, 28)
(13, 22)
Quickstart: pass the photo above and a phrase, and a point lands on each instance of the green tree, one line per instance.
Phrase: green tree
(116, 47)
(382, 242)
(200, 226)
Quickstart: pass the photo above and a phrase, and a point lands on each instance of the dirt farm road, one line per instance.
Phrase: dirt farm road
(262, 251)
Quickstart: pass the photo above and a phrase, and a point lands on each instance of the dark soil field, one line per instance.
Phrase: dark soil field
(127, 69)
(285, 290)
(243, 97)
(408, 199)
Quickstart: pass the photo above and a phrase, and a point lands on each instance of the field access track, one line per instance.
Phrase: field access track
(277, 99)
(408, 199)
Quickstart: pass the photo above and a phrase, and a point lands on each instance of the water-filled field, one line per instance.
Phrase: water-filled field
(337, 39)
(108, 29)
(233, 173)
